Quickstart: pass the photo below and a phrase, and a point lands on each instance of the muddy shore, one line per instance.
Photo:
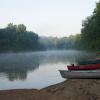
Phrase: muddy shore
(72, 89)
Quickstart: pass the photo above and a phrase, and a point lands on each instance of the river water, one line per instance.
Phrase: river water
(36, 69)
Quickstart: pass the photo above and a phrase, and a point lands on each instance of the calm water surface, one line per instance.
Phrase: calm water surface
(36, 69)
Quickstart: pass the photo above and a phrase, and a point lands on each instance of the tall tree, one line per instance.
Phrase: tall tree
(91, 29)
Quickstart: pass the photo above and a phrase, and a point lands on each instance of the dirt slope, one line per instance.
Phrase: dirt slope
(73, 89)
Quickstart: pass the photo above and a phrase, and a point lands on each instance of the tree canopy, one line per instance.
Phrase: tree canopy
(16, 38)
(90, 32)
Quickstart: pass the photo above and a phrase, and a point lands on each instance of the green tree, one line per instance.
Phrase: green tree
(17, 38)
(21, 28)
(91, 30)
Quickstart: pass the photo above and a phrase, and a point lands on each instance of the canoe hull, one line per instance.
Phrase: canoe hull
(80, 74)
(84, 67)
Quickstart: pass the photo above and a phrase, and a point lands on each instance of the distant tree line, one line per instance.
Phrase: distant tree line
(50, 43)
(17, 38)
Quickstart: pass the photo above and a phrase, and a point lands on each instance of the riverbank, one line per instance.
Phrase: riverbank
(72, 89)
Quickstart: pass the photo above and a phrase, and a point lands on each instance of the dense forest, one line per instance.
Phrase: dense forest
(16, 38)
(90, 32)
(71, 42)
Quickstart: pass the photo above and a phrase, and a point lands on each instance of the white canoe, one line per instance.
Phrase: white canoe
(94, 74)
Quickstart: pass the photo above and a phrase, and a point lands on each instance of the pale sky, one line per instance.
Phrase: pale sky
(47, 17)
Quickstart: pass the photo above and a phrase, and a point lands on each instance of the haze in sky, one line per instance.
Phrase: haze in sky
(47, 17)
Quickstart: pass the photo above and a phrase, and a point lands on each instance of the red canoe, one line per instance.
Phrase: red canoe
(84, 67)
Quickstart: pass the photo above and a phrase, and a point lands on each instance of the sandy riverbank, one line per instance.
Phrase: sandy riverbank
(73, 89)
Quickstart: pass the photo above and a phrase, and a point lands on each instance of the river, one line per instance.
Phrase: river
(36, 69)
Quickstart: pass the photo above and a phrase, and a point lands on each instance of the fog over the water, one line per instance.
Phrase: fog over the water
(26, 70)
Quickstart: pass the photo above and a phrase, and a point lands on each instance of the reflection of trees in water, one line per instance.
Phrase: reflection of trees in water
(16, 66)
(17, 75)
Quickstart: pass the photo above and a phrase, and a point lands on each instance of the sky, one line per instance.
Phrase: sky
(56, 18)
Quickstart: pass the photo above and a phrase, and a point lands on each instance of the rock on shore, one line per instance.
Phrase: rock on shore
(72, 89)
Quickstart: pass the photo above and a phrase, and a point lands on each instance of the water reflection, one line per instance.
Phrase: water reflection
(16, 66)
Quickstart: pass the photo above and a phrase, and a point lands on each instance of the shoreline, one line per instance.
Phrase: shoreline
(71, 89)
